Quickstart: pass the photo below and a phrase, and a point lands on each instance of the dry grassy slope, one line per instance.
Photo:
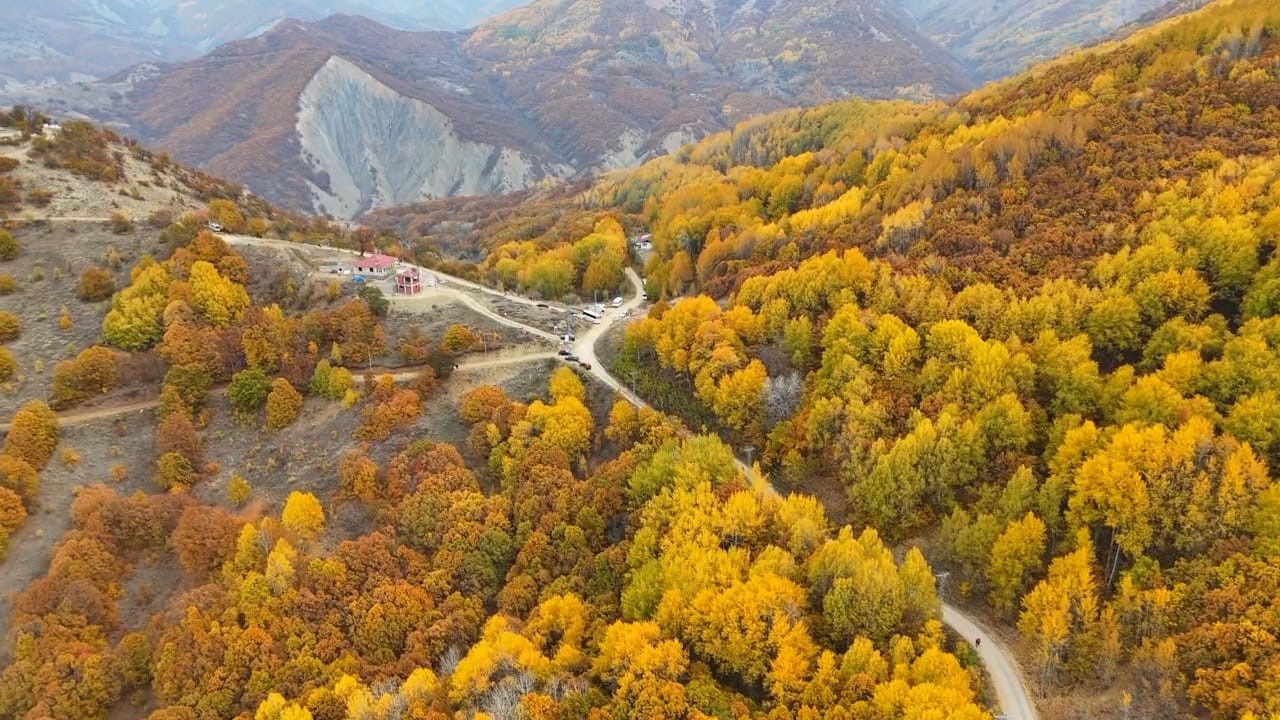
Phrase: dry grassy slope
(74, 231)
(302, 457)
(46, 272)
(61, 239)
(143, 189)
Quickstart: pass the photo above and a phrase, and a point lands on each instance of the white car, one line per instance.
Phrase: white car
(215, 227)
(617, 302)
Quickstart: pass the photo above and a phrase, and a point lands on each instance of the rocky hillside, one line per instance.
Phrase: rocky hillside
(346, 114)
(994, 38)
(86, 39)
(353, 130)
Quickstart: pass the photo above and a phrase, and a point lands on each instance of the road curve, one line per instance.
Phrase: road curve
(1006, 678)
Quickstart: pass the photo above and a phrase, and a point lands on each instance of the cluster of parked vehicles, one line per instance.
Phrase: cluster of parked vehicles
(570, 357)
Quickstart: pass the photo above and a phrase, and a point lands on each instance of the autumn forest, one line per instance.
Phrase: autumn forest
(1019, 351)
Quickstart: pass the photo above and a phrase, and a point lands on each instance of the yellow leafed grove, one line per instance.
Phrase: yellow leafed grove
(1018, 352)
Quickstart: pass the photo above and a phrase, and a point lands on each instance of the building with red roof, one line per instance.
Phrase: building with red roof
(376, 265)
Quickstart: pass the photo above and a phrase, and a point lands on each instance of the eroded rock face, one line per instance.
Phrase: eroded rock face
(378, 148)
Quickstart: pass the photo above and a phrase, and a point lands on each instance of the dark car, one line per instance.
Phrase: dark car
(542, 304)
(571, 357)
(563, 352)
(585, 365)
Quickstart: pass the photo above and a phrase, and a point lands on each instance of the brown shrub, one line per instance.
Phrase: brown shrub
(8, 366)
(176, 433)
(33, 434)
(283, 404)
(204, 538)
(96, 284)
(92, 372)
(12, 513)
(10, 326)
(8, 246)
(19, 476)
(40, 197)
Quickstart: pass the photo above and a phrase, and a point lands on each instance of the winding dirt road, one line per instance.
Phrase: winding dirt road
(1006, 677)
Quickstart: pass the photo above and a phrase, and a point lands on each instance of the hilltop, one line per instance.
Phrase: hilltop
(79, 172)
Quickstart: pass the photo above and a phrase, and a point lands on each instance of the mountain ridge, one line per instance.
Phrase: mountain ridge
(552, 90)
(70, 40)
(568, 87)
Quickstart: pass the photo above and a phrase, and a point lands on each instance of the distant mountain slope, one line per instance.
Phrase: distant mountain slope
(994, 38)
(1168, 9)
(85, 39)
(345, 114)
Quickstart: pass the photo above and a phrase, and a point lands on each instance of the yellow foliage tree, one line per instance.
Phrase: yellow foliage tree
(219, 300)
(564, 383)
(33, 434)
(303, 516)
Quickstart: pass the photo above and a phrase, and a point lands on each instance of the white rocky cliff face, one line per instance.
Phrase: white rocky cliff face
(379, 148)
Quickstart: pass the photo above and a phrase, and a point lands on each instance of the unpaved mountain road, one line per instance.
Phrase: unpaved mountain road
(1006, 677)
